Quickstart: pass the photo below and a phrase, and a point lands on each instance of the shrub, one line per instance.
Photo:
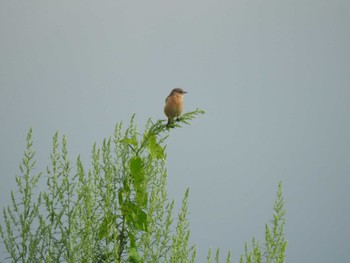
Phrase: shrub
(114, 211)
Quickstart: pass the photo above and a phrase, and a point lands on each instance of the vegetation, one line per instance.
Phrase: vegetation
(116, 210)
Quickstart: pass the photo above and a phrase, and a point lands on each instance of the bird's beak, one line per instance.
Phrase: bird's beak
(184, 92)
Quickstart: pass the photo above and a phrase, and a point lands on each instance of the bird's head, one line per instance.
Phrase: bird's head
(177, 91)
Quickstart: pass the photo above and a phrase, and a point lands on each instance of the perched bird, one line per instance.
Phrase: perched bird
(173, 104)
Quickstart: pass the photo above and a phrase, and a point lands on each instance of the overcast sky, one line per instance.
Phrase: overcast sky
(273, 77)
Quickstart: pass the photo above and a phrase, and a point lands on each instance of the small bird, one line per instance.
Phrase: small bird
(173, 104)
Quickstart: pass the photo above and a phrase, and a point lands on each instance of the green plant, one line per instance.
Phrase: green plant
(275, 242)
(115, 210)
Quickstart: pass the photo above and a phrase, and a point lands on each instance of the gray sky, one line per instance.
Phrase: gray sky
(273, 77)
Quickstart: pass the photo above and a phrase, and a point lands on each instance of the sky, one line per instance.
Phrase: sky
(273, 77)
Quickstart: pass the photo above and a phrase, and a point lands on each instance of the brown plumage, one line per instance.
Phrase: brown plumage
(173, 104)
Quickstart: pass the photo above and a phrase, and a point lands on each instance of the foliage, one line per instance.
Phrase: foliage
(275, 242)
(116, 210)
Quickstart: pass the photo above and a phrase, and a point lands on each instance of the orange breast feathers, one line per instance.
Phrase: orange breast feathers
(173, 106)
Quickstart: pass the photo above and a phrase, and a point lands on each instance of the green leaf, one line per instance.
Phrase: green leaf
(106, 226)
(140, 220)
(135, 164)
(120, 197)
(103, 229)
(129, 141)
(141, 197)
(155, 149)
(132, 240)
(135, 216)
(134, 256)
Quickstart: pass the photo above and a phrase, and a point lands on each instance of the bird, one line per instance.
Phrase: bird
(173, 105)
